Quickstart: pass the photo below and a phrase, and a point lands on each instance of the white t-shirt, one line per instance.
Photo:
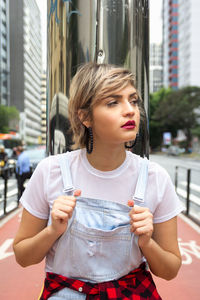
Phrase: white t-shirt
(118, 185)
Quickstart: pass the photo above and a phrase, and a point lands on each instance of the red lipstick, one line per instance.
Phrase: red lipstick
(129, 125)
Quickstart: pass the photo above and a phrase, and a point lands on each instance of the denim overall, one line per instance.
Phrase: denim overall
(97, 245)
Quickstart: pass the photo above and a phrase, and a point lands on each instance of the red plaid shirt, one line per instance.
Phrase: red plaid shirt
(137, 285)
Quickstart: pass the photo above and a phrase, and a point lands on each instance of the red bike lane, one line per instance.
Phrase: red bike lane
(26, 283)
(17, 282)
(186, 286)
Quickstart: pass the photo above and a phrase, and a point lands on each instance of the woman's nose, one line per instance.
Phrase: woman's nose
(128, 108)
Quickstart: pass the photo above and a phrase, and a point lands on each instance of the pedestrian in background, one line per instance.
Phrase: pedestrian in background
(3, 156)
(102, 216)
(23, 170)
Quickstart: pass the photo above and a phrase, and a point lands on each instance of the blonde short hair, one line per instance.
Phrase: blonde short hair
(92, 83)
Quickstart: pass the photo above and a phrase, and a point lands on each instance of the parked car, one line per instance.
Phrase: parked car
(175, 150)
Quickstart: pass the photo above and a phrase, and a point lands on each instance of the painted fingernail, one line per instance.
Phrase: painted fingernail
(130, 203)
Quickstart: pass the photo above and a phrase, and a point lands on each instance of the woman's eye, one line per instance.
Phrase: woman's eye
(134, 101)
(112, 103)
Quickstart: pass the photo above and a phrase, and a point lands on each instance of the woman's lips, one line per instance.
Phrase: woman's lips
(129, 125)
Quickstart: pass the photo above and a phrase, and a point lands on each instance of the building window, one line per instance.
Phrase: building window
(174, 53)
(174, 45)
(175, 9)
(174, 63)
(174, 79)
(174, 19)
(174, 71)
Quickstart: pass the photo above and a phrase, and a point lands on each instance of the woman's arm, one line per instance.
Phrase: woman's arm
(34, 238)
(157, 242)
(162, 251)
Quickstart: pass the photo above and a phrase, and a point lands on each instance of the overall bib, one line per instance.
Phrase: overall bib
(97, 245)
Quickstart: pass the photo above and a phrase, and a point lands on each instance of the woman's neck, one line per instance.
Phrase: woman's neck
(107, 158)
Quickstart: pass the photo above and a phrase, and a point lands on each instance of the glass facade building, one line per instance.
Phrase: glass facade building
(189, 43)
(4, 53)
(170, 43)
(26, 67)
(156, 67)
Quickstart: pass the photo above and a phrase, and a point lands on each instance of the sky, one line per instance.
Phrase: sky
(155, 23)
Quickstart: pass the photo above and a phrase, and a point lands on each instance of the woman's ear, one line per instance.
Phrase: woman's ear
(83, 119)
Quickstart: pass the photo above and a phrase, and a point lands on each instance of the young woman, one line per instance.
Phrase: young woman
(100, 214)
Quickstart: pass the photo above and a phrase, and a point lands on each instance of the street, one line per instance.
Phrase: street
(183, 163)
(11, 194)
(170, 162)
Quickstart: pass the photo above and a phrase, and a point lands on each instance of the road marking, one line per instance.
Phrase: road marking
(188, 250)
(9, 207)
(10, 183)
(9, 194)
(4, 247)
(183, 194)
(12, 193)
(193, 186)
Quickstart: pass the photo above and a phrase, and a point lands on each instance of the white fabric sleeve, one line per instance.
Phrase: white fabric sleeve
(34, 198)
(169, 204)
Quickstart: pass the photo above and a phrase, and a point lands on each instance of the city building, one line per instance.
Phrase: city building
(189, 43)
(43, 108)
(4, 53)
(170, 43)
(156, 68)
(26, 67)
(56, 48)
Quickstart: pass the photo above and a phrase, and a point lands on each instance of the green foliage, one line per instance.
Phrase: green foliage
(155, 128)
(176, 110)
(13, 113)
(7, 114)
(196, 131)
(3, 119)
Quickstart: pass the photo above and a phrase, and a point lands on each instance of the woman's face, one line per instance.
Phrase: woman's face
(116, 118)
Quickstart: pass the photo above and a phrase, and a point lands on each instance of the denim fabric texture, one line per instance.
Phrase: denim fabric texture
(98, 245)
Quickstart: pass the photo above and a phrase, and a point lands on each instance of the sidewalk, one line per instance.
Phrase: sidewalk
(25, 284)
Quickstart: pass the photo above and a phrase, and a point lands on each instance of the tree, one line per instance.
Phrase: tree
(155, 128)
(179, 110)
(8, 116)
(196, 131)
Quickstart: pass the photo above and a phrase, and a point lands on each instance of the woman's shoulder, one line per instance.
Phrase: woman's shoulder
(154, 169)
(53, 161)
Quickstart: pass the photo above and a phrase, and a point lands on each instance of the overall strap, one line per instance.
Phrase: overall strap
(142, 181)
(66, 174)
(68, 188)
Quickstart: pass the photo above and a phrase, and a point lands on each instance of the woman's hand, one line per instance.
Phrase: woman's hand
(62, 211)
(158, 243)
(141, 223)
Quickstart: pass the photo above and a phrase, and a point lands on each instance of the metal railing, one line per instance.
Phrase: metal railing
(192, 202)
(6, 174)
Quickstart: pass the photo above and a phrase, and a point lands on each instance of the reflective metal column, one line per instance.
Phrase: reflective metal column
(104, 31)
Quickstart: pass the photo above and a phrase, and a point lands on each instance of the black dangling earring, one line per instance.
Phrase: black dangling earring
(89, 142)
(134, 143)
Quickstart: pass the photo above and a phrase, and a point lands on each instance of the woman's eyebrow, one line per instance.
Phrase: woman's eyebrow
(120, 96)
(133, 94)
